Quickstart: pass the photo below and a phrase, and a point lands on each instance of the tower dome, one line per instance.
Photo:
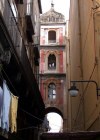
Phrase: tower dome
(52, 16)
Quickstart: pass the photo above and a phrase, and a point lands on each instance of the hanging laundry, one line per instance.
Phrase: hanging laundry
(13, 113)
(5, 108)
(1, 103)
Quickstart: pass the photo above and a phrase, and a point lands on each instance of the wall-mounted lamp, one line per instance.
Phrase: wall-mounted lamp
(73, 91)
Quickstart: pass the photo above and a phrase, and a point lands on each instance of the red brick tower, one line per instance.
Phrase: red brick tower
(53, 60)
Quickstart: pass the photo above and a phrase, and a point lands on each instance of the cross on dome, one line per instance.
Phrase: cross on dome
(52, 4)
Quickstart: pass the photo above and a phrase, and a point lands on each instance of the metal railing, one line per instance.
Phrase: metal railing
(29, 8)
(56, 42)
(29, 12)
(51, 41)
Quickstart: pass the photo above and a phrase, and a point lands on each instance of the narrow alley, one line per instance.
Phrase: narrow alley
(49, 69)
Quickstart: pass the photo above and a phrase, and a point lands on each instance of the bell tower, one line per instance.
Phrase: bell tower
(53, 60)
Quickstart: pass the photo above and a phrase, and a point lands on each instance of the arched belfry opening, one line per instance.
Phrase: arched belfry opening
(51, 62)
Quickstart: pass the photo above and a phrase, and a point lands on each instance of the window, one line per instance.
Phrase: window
(52, 37)
(29, 7)
(51, 91)
(14, 10)
(52, 62)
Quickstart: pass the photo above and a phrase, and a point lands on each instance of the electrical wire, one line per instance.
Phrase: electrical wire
(91, 115)
(86, 36)
(87, 84)
(19, 97)
(84, 92)
(31, 115)
(9, 81)
(13, 52)
(31, 127)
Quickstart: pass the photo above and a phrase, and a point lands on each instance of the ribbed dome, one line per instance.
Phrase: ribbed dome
(52, 16)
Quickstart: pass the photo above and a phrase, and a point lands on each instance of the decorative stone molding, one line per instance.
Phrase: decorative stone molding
(52, 17)
(52, 79)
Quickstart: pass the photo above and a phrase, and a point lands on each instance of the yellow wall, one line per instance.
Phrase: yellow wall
(84, 65)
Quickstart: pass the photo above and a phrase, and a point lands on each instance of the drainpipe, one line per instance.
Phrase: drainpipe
(68, 77)
(81, 62)
(96, 10)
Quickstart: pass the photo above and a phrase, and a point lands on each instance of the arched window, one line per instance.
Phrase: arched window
(52, 37)
(51, 62)
(51, 91)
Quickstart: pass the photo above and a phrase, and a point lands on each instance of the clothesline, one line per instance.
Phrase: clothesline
(8, 80)
(20, 97)
(29, 127)
(8, 111)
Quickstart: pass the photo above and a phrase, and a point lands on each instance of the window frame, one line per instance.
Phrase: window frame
(52, 88)
(51, 62)
(52, 36)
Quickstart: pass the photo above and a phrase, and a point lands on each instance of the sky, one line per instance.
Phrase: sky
(55, 122)
(61, 6)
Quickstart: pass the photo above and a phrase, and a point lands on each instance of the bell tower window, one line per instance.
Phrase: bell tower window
(51, 37)
(51, 91)
(52, 62)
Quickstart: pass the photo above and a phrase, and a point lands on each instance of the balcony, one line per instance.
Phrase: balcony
(19, 69)
(30, 23)
(10, 22)
(10, 29)
(52, 41)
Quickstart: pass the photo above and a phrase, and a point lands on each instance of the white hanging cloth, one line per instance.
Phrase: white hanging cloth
(1, 103)
(5, 108)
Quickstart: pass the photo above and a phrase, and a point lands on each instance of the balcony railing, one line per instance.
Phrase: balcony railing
(29, 8)
(30, 18)
(51, 41)
(56, 42)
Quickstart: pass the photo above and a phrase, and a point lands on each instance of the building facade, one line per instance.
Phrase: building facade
(19, 62)
(83, 64)
(52, 61)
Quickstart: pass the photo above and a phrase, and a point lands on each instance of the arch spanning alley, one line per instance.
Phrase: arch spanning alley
(53, 109)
